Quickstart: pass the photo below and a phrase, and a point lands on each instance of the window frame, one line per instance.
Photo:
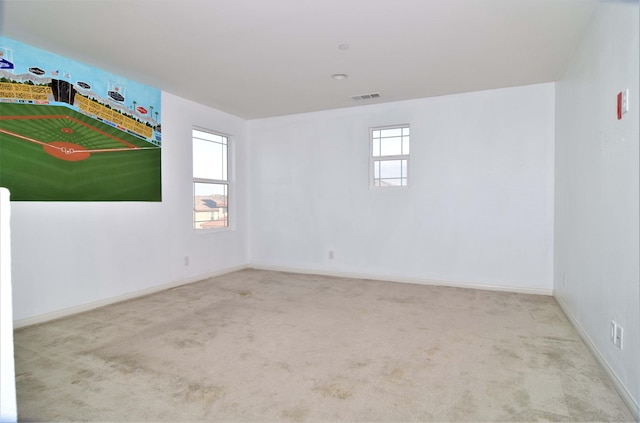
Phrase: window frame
(380, 158)
(228, 182)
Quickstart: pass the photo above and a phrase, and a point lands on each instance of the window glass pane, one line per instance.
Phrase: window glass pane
(376, 169)
(391, 168)
(208, 160)
(207, 136)
(375, 134)
(390, 182)
(392, 132)
(391, 146)
(376, 147)
(224, 162)
(405, 145)
(210, 205)
(405, 131)
(404, 168)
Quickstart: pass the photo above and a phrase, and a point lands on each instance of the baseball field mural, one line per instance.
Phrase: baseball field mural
(70, 132)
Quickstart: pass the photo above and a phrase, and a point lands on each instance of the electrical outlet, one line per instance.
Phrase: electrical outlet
(625, 101)
(331, 255)
(186, 260)
(616, 333)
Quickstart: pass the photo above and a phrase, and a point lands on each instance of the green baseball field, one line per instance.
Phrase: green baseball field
(52, 153)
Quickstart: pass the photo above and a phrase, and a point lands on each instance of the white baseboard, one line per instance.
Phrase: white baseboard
(46, 317)
(416, 281)
(622, 390)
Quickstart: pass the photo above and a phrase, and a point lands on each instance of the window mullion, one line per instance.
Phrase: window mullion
(210, 181)
(389, 158)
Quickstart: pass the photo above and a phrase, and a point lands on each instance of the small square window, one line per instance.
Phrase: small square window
(390, 156)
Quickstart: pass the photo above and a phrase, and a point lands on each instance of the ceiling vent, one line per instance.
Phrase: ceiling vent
(365, 96)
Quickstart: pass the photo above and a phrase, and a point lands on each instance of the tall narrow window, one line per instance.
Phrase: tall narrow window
(390, 156)
(210, 180)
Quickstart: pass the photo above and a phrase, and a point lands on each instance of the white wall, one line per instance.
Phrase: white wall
(69, 254)
(8, 409)
(479, 209)
(597, 240)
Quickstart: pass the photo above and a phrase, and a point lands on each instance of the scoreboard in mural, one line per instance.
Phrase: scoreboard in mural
(71, 132)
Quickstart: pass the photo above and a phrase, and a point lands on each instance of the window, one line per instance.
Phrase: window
(210, 180)
(390, 156)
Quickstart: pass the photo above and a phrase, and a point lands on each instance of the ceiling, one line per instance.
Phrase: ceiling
(263, 58)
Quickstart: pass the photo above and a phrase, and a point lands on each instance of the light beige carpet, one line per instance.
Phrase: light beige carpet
(267, 346)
